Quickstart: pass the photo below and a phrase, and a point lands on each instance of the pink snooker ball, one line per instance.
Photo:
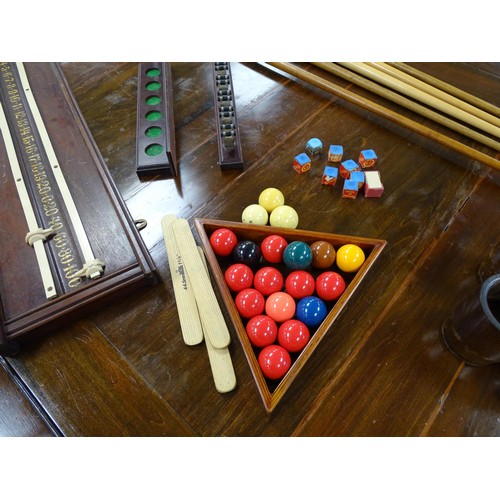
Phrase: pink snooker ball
(280, 306)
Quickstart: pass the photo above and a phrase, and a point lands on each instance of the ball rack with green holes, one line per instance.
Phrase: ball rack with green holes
(155, 153)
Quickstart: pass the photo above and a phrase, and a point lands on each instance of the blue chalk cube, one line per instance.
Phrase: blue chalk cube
(301, 163)
(350, 189)
(335, 153)
(330, 175)
(367, 158)
(359, 177)
(314, 146)
(347, 167)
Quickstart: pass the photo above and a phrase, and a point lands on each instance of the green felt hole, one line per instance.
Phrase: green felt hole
(153, 100)
(154, 132)
(154, 150)
(151, 72)
(153, 85)
(153, 116)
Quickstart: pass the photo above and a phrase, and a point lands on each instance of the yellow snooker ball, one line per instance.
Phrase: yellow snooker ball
(350, 258)
(284, 216)
(271, 198)
(255, 214)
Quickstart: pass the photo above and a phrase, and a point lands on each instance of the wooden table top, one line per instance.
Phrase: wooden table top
(382, 370)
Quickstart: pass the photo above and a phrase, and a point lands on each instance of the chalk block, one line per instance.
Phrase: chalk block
(335, 153)
(301, 163)
(350, 189)
(330, 175)
(348, 166)
(373, 185)
(359, 177)
(367, 158)
(314, 146)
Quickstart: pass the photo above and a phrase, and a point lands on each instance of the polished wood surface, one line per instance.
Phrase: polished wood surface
(382, 370)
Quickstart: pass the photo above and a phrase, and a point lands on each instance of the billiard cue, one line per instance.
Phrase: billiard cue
(388, 114)
(374, 72)
(446, 87)
(386, 93)
(213, 320)
(436, 92)
(189, 318)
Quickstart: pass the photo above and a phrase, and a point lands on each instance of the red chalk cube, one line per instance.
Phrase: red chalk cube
(330, 175)
(367, 158)
(348, 166)
(301, 163)
(373, 186)
(350, 189)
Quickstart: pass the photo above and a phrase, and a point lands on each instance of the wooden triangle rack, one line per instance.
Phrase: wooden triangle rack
(272, 392)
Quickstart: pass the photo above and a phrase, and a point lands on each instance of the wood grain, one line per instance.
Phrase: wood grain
(125, 370)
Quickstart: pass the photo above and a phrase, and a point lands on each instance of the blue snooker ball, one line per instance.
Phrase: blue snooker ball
(297, 255)
(311, 311)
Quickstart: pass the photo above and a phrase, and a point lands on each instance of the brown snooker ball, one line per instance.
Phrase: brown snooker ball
(323, 254)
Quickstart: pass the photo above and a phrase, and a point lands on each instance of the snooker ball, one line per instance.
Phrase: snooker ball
(272, 248)
(247, 252)
(350, 258)
(329, 285)
(274, 361)
(255, 214)
(293, 335)
(300, 284)
(261, 330)
(223, 241)
(238, 277)
(297, 255)
(323, 254)
(311, 311)
(284, 216)
(250, 303)
(280, 306)
(268, 280)
(271, 198)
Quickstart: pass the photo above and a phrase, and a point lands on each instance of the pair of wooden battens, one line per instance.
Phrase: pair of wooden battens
(155, 133)
(478, 120)
(199, 311)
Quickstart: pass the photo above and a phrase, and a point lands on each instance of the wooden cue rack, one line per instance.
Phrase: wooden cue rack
(155, 134)
(228, 134)
(103, 224)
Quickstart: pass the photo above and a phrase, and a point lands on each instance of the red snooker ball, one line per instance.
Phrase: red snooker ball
(300, 284)
(280, 306)
(274, 361)
(250, 303)
(272, 248)
(330, 285)
(268, 280)
(262, 330)
(293, 335)
(223, 241)
(238, 277)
